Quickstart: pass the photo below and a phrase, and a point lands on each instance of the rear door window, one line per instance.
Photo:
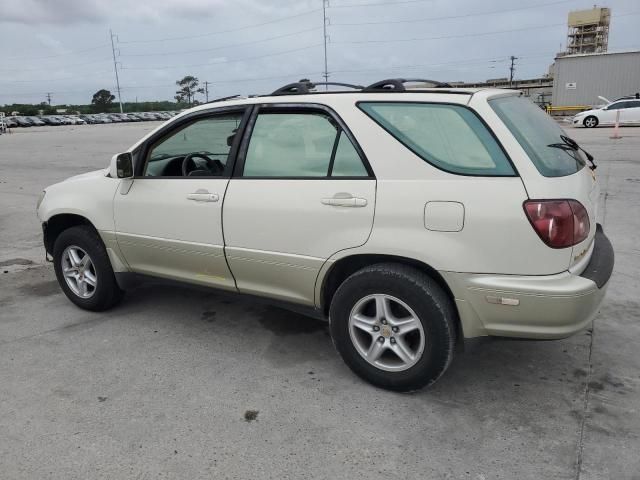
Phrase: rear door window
(449, 137)
(539, 135)
(303, 144)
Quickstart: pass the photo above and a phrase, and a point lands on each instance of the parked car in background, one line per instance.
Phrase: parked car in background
(49, 120)
(11, 122)
(22, 121)
(65, 120)
(89, 119)
(627, 108)
(404, 258)
(36, 121)
(77, 120)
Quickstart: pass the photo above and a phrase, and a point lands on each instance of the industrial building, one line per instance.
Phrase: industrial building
(582, 73)
(588, 31)
(582, 79)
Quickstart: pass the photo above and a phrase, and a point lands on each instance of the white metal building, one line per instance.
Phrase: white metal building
(580, 79)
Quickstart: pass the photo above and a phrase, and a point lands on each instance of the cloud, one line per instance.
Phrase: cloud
(44, 11)
(51, 43)
(69, 12)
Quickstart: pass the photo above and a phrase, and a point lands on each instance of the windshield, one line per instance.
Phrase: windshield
(539, 136)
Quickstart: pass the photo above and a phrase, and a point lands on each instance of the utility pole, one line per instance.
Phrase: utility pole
(49, 98)
(115, 68)
(512, 69)
(206, 91)
(325, 21)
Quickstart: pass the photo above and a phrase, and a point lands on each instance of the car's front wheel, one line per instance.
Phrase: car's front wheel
(83, 269)
(590, 122)
(394, 326)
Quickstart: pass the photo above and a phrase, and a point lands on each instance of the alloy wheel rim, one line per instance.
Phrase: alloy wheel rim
(386, 332)
(590, 122)
(79, 272)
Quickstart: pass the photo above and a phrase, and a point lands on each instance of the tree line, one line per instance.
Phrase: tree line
(103, 101)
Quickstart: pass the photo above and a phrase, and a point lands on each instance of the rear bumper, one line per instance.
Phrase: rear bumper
(539, 307)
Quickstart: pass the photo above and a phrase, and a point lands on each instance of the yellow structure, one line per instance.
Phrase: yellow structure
(588, 31)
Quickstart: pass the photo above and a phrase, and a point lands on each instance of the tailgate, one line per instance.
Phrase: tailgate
(549, 164)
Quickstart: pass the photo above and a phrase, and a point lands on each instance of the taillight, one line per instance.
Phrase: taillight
(559, 223)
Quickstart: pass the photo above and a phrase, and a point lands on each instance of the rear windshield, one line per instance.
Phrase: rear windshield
(539, 136)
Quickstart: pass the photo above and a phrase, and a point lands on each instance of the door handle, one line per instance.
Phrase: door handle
(353, 202)
(203, 197)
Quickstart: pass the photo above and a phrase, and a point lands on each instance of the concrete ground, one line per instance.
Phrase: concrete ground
(186, 384)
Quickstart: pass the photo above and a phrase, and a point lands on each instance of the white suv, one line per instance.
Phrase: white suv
(410, 219)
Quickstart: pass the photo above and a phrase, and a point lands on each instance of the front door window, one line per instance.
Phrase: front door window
(201, 148)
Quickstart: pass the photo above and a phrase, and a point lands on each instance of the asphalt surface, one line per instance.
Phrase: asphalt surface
(188, 384)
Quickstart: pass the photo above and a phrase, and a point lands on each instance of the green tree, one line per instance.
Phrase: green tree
(188, 89)
(102, 100)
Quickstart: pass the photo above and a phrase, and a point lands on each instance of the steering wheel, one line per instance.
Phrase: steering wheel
(189, 166)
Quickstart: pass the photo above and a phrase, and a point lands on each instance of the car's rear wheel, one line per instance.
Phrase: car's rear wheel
(394, 326)
(590, 122)
(83, 269)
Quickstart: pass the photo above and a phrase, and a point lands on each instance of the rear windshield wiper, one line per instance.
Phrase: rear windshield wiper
(570, 143)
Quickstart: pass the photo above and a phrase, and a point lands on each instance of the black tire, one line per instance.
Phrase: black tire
(590, 122)
(424, 296)
(107, 293)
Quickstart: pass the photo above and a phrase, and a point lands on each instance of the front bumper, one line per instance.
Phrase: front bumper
(540, 307)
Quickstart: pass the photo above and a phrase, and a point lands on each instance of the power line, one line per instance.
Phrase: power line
(442, 37)
(231, 80)
(59, 79)
(14, 69)
(72, 52)
(451, 17)
(466, 35)
(236, 29)
(236, 60)
(184, 52)
(376, 4)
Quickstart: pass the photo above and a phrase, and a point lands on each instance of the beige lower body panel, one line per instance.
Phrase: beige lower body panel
(113, 250)
(190, 262)
(538, 307)
(277, 275)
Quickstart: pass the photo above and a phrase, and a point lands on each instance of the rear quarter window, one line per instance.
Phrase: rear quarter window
(449, 137)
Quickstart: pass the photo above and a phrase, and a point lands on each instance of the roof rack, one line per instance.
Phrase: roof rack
(397, 84)
(306, 86)
(222, 99)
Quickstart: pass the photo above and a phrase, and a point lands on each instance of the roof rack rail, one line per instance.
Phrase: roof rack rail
(222, 99)
(306, 86)
(397, 84)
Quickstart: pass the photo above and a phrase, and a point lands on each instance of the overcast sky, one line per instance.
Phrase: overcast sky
(253, 46)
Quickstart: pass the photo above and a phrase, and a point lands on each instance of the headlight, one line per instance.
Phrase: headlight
(40, 199)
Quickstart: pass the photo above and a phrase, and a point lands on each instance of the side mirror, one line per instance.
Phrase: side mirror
(122, 165)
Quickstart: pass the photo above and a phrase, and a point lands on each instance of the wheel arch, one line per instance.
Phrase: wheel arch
(60, 222)
(346, 266)
(584, 122)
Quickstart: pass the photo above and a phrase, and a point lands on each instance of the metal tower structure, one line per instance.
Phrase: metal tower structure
(588, 31)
